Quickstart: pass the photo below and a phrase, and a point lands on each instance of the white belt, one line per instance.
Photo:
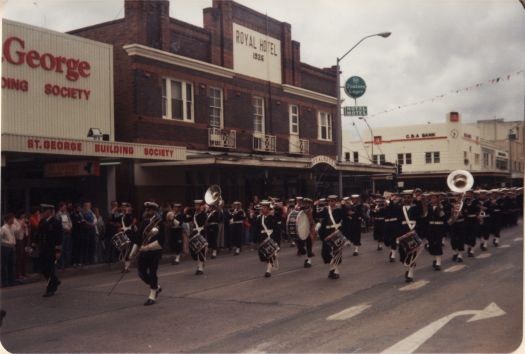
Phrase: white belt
(412, 221)
(269, 232)
(497, 209)
(336, 226)
(435, 222)
(237, 222)
(391, 219)
(379, 218)
(213, 223)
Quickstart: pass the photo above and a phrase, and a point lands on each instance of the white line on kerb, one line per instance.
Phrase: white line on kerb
(348, 313)
(454, 268)
(414, 286)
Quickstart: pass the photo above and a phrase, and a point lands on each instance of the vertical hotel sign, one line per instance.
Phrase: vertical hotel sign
(255, 54)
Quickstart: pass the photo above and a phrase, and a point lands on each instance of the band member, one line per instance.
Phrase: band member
(128, 224)
(237, 217)
(407, 222)
(304, 247)
(472, 229)
(214, 217)
(278, 214)
(197, 217)
(485, 219)
(151, 236)
(49, 241)
(355, 219)
(437, 222)
(457, 230)
(331, 222)
(378, 212)
(265, 225)
(393, 218)
(495, 209)
(175, 220)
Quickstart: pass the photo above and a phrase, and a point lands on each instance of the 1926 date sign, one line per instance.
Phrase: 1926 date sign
(355, 87)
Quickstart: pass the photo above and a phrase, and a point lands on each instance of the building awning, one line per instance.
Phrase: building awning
(95, 148)
(270, 161)
(442, 174)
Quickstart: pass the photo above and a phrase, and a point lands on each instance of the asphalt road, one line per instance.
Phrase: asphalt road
(476, 306)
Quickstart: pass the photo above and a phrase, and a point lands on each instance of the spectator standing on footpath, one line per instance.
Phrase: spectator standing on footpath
(76, 236)
(7, 233)
(88, 234)
(67, 226)
(22, 240)
(34, 221)
(100, 230)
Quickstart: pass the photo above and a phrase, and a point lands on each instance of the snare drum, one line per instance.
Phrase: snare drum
(410, 242)
(120, 241)
(198, 243)
(298, 225)
(268, 248)
(335, 240)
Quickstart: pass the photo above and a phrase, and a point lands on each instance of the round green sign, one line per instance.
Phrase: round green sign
(355, 87)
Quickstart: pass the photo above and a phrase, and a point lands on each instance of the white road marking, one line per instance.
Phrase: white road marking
(454, 268)
(502, 268)
(483, 255)
(518, 239)
(505, 246)
(348, 313)
(414, 286)
(415, 340)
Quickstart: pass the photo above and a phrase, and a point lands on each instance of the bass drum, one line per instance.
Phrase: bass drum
(298, 225)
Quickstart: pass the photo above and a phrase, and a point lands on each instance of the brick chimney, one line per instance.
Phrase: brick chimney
(148, 21)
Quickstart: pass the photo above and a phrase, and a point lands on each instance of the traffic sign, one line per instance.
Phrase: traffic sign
(355, 87)
(355, 111)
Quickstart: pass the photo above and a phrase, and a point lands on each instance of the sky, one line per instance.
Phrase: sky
(442, 56)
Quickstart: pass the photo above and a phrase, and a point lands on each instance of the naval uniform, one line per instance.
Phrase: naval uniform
(49, 241)
(237, 217)
(331, 221)
(436, 229)
(379, 223)
(150, 252)
(265, 226)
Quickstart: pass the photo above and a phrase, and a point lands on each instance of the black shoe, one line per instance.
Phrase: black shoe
(483, 247)
(49, 294)
(213, 257)
(307, 264)
(267, 274)
(495, 243)
(460, 260)
(437, 267)
(335, 276)
(454, 258)
(149, 302)
(379, 248)
(409, 280)
(355, 254)
(331, 274)
(55, 287)
(470, 254)
(406, 275)
(199, 272)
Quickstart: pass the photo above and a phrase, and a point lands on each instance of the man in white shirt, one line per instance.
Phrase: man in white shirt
(7, 233)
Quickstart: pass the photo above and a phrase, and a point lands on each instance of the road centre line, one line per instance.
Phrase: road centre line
(483, 255)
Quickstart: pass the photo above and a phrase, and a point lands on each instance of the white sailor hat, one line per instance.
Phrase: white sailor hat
(265, 203)
(407, 191)
(125, 204)
(307, 200)
(355, 196)
(198, 201)
(236, 202)
(299, 198)
(332, 197)
(346, 198)
(177, 205)
(322, 200)
(151, 205)
(45, 207)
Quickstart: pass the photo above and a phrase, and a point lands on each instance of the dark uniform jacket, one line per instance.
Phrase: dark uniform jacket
(49, 236)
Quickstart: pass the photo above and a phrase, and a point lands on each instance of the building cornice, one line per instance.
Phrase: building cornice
(294, 90)
(179, 60)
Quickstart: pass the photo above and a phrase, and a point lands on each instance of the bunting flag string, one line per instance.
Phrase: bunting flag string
(496, 80)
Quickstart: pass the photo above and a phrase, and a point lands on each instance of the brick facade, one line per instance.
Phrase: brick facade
(138, 80)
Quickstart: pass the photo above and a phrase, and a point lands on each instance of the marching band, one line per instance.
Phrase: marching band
(410, 221)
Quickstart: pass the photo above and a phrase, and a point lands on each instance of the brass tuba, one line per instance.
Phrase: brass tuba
(212, 197)
(460, 181)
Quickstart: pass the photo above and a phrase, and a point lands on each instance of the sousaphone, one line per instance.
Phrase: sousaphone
(212, 196)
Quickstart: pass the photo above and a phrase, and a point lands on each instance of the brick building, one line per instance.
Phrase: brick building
(253, 118)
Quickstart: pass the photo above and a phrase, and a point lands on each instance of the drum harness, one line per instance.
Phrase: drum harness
(411, 225)
(335, 257)
(269, 233)
(199, 231)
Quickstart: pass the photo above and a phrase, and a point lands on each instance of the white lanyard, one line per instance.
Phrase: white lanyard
(197, 227)
(336, 226)
(411, 224)
(266, 231)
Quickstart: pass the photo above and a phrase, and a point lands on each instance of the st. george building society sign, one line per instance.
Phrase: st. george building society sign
(255, 54)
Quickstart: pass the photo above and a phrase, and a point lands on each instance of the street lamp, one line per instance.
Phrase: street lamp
(371, 135)
(338, 112)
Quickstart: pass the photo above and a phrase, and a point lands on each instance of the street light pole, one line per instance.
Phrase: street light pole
(338, 112)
